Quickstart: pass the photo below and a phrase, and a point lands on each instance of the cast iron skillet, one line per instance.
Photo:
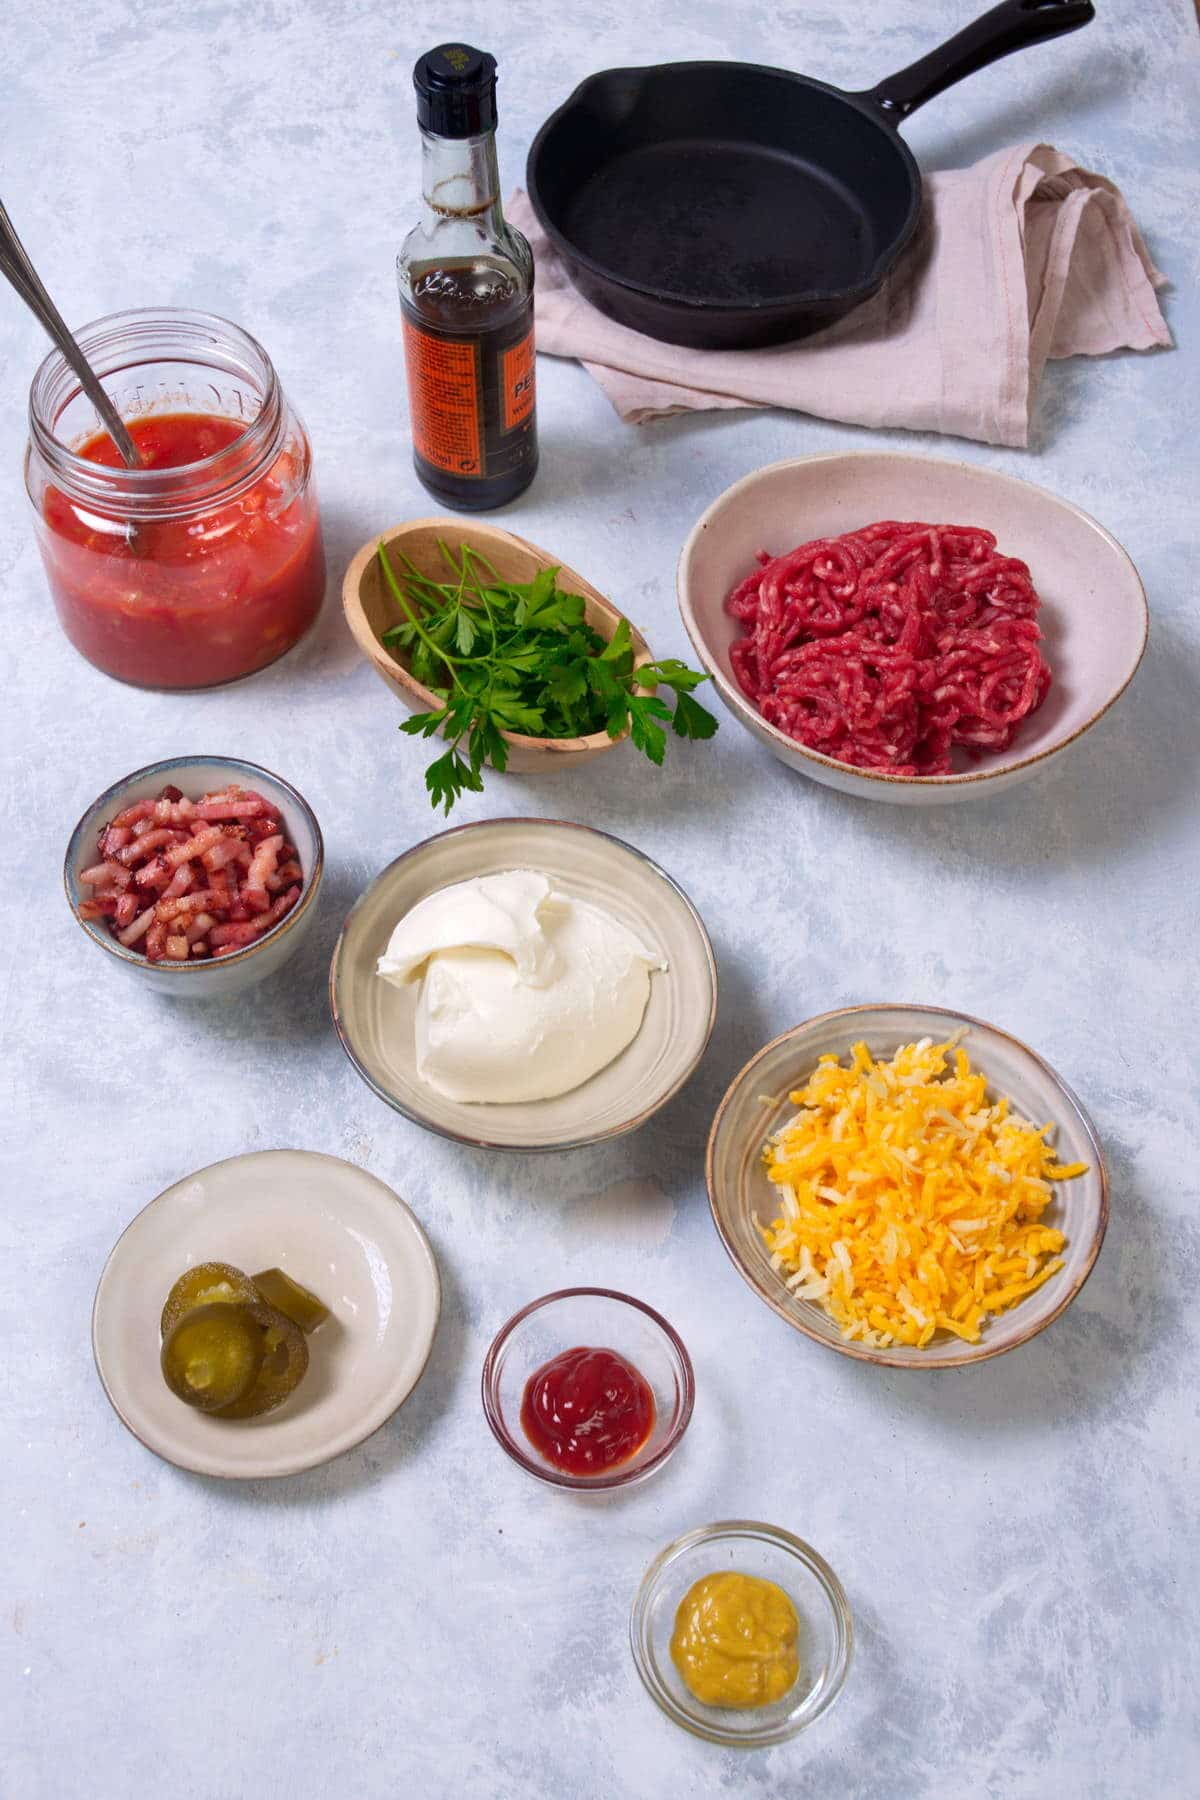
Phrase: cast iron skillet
(724, 205)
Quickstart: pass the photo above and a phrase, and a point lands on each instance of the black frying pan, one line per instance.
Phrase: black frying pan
(725, 204)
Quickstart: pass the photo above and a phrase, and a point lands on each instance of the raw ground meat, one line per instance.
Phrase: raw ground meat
(888, 646)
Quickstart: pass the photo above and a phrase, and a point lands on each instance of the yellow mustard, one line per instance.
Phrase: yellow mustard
(734, 1641)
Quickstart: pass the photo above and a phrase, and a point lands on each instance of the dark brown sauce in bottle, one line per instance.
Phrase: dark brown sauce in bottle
(466, 298)
(475, 406)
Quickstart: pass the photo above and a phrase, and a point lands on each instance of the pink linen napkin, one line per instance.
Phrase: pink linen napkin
(1022, 257)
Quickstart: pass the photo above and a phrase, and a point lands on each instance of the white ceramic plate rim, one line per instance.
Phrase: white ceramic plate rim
(739, 705)
(352, 1435)
(482, 1143)
(973, 1353)
(182, 970)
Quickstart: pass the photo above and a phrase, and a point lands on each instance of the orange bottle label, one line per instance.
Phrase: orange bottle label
(443, 401)
(518, 382)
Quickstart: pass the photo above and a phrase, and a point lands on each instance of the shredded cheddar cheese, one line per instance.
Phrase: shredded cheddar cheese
(910, 1203)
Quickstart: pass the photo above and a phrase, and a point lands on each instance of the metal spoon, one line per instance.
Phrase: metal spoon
(15, 264)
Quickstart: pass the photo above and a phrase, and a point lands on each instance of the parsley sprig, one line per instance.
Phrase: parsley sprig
(506, 656)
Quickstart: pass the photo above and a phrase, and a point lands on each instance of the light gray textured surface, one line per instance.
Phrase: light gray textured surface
(1018, 1542)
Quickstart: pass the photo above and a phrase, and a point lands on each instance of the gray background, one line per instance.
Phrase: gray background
(1018, 1542)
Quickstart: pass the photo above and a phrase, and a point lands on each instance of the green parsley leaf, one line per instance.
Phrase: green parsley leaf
(690, 719)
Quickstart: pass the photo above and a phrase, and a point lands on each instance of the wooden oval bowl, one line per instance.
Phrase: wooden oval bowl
(371, 610)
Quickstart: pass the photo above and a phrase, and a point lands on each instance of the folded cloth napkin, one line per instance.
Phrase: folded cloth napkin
(1022, 257)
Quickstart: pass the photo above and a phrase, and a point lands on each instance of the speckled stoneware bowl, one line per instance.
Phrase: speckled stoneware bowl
(371, 610)
(331, 1226)
(757, 1104)
(1094, 613)
(375, 1019)
(208, 978)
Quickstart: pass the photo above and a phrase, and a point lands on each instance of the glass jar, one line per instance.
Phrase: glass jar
(208, 563)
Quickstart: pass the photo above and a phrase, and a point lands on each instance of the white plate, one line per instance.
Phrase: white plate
(1094, 613)
(331, 1226)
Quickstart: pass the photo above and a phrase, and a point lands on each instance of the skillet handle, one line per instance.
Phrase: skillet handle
(1013, 25)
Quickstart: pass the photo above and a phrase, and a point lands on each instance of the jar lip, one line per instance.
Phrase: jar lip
(121, 342)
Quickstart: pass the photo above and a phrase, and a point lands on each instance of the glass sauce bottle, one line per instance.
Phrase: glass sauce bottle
(466, 298)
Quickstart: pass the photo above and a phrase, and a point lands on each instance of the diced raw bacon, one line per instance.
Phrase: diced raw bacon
(135, 932)
(141, 809)
(262, 867)
(234, 934)
(179, 883)
(154, 874)
(106, 875)
(231, 809)
(229, 850)
(194, 846)
(889, 646)
(218, 873)
(284, 904)
(186, 906)
(174, 812)
(144, 843)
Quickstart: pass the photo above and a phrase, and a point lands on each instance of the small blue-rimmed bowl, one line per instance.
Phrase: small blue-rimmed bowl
(206, 978)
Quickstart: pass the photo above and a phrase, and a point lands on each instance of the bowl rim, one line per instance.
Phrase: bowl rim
(799, 1550)
(312, 879)
(969, 1355)
(626, 1474)
(377, 652)
(305, 1463)
(754, 721)
(486, 1143)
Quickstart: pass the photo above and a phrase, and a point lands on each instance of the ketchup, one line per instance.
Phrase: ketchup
(587, 1410)
(197, 599)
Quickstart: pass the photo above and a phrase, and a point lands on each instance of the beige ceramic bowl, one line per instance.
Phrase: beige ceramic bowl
(757, 1104)
(375, 1019)
(334, 1228)
(1094, 614)
(371, 610)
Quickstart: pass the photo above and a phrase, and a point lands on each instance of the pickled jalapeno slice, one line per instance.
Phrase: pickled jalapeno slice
(297, 1303)
(206, 1285)
(214, 1356)
(281, 1370)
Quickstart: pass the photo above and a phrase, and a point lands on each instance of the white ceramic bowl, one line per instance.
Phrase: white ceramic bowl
(375, 1019)
(1094, 612)
(208, 978)
(756, 1104)
(332, 1227)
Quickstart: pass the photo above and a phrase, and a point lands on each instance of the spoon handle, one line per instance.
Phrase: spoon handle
(16, 266)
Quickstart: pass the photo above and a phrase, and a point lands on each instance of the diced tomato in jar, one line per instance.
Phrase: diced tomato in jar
(195, 599)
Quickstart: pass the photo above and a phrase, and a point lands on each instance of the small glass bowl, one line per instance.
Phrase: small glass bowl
(603, 1319)
(826, 1629)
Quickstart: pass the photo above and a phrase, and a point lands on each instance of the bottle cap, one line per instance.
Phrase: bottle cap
(456, 91)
